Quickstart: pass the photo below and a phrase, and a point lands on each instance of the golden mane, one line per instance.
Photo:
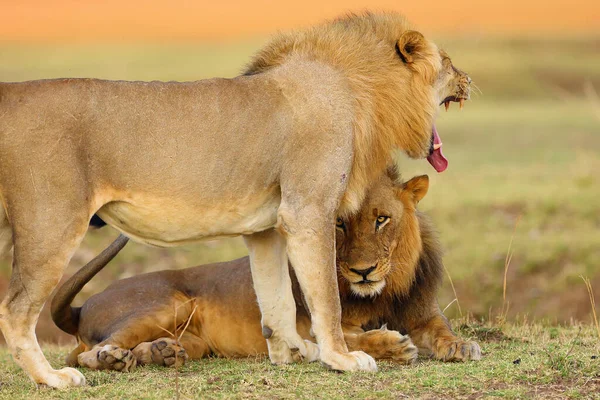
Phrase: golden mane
(426, 273)
(394, 106)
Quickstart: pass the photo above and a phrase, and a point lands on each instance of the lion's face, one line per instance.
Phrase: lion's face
(453, 84)
(382, 238)
(449, 84)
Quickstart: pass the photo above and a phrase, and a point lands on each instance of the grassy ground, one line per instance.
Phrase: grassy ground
(523, 361)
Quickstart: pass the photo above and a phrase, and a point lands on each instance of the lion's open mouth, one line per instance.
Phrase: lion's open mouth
(447, 100)
(436, 157)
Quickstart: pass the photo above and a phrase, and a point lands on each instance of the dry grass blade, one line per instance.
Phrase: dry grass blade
(588, 286)
(573, 343)
(449, 304)
(177, 334)
(507, 260)
(178, 337)
(187, 323)
(453, 290)
(166, 330)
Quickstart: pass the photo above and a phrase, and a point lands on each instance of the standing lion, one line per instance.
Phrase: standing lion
(271, 155)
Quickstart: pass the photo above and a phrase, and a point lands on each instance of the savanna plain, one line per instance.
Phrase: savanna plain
(517, 211)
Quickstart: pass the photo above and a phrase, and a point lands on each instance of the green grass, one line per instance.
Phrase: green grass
(523, 361)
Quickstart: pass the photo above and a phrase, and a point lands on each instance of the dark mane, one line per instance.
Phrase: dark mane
(429, 273)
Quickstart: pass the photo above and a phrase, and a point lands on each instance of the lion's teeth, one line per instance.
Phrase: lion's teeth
(447, 105)
(437, 146)
(462, 103)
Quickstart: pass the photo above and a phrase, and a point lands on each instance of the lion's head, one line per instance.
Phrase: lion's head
(396, 79)
(455, 85)
(383, 239)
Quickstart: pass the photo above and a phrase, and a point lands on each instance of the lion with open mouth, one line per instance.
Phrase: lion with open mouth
(274, 155)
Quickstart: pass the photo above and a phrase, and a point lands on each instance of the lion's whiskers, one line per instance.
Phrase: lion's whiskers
(474, 86)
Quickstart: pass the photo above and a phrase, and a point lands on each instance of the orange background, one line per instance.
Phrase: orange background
(134, 20)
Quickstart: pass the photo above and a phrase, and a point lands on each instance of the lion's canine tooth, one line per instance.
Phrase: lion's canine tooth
(437, 146)
(447, 104)
(462, 103)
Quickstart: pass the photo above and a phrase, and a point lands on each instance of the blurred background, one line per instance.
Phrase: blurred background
(524, 153)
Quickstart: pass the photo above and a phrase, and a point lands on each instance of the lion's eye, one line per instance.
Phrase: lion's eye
(381, 221)
(339, 223)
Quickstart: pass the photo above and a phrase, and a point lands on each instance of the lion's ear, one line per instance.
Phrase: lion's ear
(409, 45)
(418, 187)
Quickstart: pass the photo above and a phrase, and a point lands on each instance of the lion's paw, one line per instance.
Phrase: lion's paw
(116, 359)
(352, 361)
(168, 352)
(312, 352)
(458, 350)
(62, 378)
(280, 352)
(399, 347)
(387, 344)
(286, 349)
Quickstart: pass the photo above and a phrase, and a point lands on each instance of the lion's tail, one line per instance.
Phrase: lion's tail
(65, 316)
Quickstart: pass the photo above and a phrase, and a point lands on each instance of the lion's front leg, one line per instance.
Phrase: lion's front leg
(437, 337)
(273, 287)
(382, 344)
(310, 246)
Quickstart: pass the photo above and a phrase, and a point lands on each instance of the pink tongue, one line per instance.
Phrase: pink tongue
(437, 159)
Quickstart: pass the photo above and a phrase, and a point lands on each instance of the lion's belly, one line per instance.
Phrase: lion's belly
(172, 222)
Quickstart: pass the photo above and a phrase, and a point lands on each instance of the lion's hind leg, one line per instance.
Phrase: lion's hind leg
(168, 352)
(134, 341)
(108, 357)
(164, 351)
(44, 241)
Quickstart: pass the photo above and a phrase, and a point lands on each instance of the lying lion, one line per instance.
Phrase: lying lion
(389, 269)
(274, 155)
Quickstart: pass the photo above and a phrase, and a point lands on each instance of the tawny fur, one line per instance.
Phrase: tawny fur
(285, 146)
(359, 48)
(129, 313)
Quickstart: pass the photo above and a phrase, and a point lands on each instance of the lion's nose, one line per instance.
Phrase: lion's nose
(363, 272)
